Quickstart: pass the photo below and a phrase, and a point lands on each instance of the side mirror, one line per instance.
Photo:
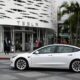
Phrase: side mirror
(36, 52)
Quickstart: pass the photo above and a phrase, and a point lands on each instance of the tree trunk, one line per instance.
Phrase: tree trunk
(77, 30)
(71, 39)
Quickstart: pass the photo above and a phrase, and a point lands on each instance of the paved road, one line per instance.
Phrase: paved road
(35, 74)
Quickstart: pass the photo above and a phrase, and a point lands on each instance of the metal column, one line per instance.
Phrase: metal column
(23, 40)
(31, 40)
(12, 40)
(38, 33)
(1, 39)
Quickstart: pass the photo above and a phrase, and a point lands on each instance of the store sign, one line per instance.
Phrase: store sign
(23, 23)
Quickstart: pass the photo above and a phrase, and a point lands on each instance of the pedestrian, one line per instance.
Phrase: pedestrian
(64, 41)
(38, 43)
(6, 47)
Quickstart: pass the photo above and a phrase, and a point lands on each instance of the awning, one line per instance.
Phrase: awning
(26, 31)
(64, 35)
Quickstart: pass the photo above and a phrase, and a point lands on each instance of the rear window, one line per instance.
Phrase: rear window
(75, 49)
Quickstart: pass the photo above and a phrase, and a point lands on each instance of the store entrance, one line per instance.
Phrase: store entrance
(18, 41)
(27, 42)
(22, 41)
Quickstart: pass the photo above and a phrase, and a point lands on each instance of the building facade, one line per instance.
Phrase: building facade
(22, 22)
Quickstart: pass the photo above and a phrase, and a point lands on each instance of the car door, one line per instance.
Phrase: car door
(62, 57)
(43, 58)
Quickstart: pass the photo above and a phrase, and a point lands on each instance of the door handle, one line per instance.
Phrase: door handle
(70, 55)
(49, 55)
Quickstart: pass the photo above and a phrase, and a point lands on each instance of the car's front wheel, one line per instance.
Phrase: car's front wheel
(21, 64)
(75, 65)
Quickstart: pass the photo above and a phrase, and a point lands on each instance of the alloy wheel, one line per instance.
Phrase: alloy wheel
(21, 64)
(76, 65)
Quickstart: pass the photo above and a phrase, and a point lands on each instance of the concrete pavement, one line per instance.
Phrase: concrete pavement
(7, 73)
(4, 56)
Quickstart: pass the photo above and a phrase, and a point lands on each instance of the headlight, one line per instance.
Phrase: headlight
(13, 56)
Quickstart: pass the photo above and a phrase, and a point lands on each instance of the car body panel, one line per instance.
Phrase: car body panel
(48, 60)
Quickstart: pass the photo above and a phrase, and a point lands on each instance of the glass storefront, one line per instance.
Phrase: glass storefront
(24, 39)
(18, 41)
(1, 39)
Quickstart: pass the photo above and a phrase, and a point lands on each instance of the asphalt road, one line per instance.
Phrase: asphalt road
(6, 73)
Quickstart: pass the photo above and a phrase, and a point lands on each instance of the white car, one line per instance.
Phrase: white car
(51, 56)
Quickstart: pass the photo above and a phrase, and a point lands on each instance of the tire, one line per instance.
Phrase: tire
(21, 64)
(75, 66)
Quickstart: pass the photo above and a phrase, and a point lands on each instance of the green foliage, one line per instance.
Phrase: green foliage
(73, 10)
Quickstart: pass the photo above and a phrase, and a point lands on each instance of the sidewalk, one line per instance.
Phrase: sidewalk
(6, 57)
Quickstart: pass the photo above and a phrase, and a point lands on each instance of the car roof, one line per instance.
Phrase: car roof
(64, 45)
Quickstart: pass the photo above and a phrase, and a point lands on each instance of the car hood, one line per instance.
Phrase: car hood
(24, 54)
(20, 54)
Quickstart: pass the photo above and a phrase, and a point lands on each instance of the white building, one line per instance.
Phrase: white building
(24, 21)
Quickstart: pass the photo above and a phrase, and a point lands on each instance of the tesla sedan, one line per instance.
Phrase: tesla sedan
(59, 56)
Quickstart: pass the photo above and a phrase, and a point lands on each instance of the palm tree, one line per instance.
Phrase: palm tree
(77, 13)
(68, 9)
(73, 9)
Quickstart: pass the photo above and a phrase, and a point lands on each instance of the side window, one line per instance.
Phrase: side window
(64, 49)
(59, 49)
(75, 49)
(49, 49)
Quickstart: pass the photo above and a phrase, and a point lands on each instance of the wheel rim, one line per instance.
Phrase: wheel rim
(21, 64)
(76, 66)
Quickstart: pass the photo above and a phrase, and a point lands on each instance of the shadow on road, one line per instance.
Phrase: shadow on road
(45, 70)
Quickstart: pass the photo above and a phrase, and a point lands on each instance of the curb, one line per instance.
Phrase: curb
(4, 58)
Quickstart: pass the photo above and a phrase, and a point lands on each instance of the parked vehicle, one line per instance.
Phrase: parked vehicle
(50, 56)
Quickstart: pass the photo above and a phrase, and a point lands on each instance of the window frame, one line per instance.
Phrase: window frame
(47, 47)
(68, 47)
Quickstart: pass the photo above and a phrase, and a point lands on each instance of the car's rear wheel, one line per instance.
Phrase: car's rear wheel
(75, 66)
(21, 64)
